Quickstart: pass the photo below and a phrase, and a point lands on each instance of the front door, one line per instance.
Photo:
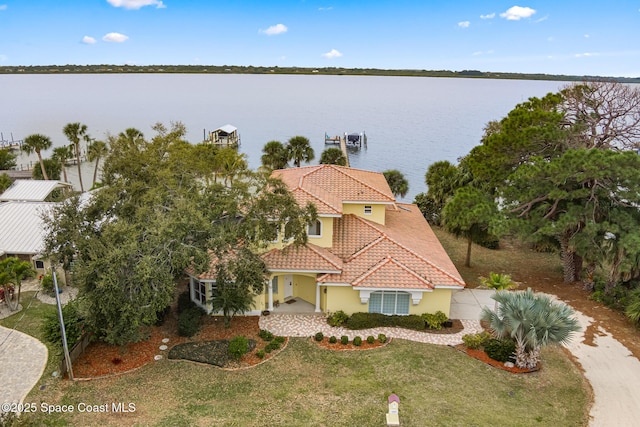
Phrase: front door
(288, 286)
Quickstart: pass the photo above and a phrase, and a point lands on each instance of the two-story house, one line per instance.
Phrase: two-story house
(366, 252)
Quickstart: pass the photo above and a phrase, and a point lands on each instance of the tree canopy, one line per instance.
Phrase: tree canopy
(157, 214)
(333, 156)
(299, 150)
(397, 182)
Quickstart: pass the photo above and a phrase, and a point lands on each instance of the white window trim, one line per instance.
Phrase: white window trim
(316, 236)
(395, 308)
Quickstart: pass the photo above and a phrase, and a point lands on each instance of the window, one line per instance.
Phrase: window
(200, 292)
(288, 231)
(315, 229)
(274, 285)
(368, 210)
(40, 265)
(389, 302)
(271, 232)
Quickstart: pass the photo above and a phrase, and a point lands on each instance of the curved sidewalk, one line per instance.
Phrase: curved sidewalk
(306, 325)
(22, 362)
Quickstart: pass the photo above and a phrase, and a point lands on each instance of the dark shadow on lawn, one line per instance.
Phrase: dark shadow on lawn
(210, 352)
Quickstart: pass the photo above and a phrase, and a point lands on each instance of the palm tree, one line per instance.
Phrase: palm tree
(75, 132)
(62, 156)
(36, 143)
(299, 150)
(275, 155)
(231, 164)
(13, 271)
(532, 321)
(397, 182)
(96, 151)
(333, 156)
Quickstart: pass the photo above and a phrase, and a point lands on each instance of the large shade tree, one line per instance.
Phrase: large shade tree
(37, 143)
(155, 216)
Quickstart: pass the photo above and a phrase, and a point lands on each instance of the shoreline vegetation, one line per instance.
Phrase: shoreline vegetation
(233, 69)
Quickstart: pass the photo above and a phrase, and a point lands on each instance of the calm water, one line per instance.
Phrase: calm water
(410, 122)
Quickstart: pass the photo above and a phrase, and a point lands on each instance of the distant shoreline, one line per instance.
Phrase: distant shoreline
(227, 69)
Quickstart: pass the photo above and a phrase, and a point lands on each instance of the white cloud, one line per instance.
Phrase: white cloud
(586, 36)
(115, 37)
(88, 40)
(488, 16)
(516, 13)
(136, 4)
(333, 53)
(322, 9)
(275, 29)
(550, 39)
(585, 54)
(3, 7)
(483, 52)
(464, 24)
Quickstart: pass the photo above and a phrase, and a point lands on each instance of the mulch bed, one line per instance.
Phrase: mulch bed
(482, 356)
(338, 346)
(101, 359)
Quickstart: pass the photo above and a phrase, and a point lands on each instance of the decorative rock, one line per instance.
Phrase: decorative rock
(509, 364)
(157, 357)
(163, 347)
(165, 340)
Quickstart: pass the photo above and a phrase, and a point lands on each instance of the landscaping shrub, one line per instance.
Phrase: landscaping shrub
(238, 346)
(48, 285)
(333, 339)
(371, 339)
(344, 340)
(260, 354)
(184, 302)
(161, 315)
(73, 323)
(435, 320)
(382, 338)
(273, 345)
(189, 321)
(357, 341)
(279, 340)
(265, 335)
(475, 341)
(375, 320)
(319, 336)
(337, 319)
(500, 350)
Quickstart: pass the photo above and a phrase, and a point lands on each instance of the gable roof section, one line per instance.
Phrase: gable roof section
(30, 190)
(21, 227)
(333, 185)
(308, 258)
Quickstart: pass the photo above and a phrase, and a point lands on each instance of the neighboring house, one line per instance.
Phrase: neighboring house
(21, 225)
(366, 252)
(22, 232)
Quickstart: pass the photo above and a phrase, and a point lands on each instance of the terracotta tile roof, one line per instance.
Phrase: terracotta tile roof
(332, 185)
(404, 253)
(308, 257)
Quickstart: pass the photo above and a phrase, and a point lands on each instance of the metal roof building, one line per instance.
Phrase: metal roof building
(22, 228)
(28, 190)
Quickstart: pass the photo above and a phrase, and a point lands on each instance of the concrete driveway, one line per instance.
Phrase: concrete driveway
(610, 368)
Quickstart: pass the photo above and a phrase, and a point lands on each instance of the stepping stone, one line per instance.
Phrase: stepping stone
(163, 347)
(157, 357)
(165, 340)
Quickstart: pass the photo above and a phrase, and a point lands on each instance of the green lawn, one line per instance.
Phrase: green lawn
(308, 386)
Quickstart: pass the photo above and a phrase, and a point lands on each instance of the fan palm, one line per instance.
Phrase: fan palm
(35, 144)
(75, 132)
(14, 271)
(96, 151)
(62, 156)
(532, 321)
(299, 150)
(275, 155)
(397, 182)
(333, 156)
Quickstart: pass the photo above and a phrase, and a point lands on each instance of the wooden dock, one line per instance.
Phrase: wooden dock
(343, 147)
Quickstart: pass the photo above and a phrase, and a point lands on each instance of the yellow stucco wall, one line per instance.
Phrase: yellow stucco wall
(438, 300)
(326, 238)
(377, 211)
(304, 286)
(344, 298)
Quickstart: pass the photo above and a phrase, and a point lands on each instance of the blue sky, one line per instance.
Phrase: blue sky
(555, 37)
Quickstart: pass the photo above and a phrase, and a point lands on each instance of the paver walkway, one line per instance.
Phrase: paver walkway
(22, 362)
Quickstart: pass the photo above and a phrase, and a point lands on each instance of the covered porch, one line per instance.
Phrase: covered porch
(293, 293)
